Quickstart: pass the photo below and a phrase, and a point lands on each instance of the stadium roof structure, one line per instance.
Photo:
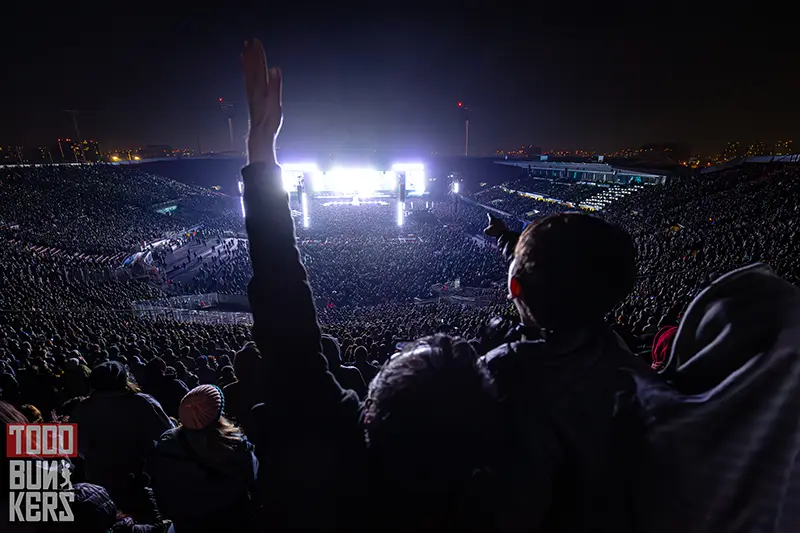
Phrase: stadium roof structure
(591, 171)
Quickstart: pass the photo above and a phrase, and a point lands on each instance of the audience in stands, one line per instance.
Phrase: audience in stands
(637, 379)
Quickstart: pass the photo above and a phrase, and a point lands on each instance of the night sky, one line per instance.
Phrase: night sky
(352, 84)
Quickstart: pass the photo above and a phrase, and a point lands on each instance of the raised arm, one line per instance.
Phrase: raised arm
(283, 308)
(285, 325)
(506, 239)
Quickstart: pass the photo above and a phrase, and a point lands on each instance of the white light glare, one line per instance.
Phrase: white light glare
(401, 213)
(455, 187)
(304, 202)
(292, 172)
(415, 176)
(302, 167)
(361, 181)
(408, 166)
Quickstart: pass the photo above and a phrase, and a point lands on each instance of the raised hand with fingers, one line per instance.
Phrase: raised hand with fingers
(263, 87)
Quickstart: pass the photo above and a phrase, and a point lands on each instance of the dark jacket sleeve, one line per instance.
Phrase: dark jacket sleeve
(507, 242)
(285, 327)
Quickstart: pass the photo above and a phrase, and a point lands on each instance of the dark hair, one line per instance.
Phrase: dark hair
(573, 268)
(430, 422)
(433, 398)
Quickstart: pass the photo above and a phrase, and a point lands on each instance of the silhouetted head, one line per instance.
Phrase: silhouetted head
(430, 419)
(360, 355)
(569, 270)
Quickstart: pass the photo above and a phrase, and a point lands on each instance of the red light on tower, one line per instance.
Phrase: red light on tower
(461, 104)
(220, 99)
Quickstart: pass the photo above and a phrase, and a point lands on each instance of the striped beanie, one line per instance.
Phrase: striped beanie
(201, 407)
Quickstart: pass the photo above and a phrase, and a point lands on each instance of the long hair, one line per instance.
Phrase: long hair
(131, 386)
(223, 433)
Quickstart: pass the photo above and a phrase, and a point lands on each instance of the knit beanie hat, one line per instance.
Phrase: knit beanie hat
(201, 407)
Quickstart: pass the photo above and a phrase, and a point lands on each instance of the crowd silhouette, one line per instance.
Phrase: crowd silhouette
(642, 374)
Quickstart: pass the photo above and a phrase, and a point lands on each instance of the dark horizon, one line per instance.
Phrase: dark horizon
(394, 84)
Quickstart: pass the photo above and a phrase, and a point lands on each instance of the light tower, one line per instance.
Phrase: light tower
(466, 123)
(227, 110)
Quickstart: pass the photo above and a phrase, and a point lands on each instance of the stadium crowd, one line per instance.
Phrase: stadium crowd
(642, 376)
(97, 209)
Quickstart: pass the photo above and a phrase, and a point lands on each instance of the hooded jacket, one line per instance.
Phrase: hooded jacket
(722, 437)
(116, 431)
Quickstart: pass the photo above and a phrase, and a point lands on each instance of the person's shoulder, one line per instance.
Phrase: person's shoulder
(506, 353)
(231, 387)
(168, 441)
(350, 370)
(169, 435)
(141, 399)
(179, 384)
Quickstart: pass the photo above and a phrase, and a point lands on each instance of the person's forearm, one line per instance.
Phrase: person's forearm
(285, 321)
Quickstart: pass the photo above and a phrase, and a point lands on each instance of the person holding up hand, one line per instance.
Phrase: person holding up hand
(416, 454)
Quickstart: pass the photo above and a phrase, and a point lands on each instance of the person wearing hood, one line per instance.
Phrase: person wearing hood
(205, 460)
(720, 424)
(349, 377)
(558, 385)
(117, 425)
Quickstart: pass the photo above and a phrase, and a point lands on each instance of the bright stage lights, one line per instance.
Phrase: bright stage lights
(292, 172)
(415, 176)
(306, 217)
(408, 166)
(302, 167)
(365, 182)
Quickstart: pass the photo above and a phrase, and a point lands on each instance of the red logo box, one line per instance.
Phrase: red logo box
(41, 441)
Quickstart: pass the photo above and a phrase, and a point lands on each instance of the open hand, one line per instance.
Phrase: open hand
(263, 87)
(496, 226)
